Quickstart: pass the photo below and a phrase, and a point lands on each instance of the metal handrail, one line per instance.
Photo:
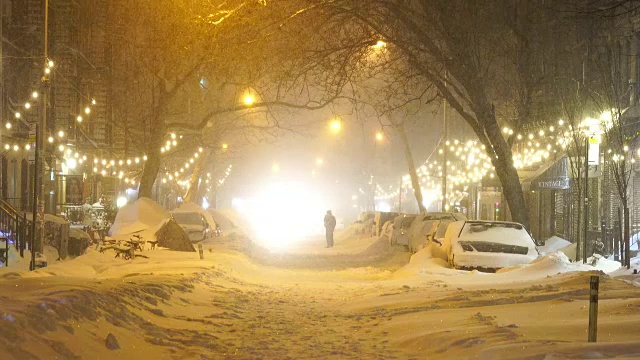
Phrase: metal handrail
(15, 227)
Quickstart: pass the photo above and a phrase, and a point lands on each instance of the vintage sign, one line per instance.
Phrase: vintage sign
(552, 184)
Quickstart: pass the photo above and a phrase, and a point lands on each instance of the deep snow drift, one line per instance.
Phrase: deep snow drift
(174, 305)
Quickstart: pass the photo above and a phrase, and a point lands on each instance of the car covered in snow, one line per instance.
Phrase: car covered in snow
(401, 229)
(194, 224)
(488, 245)
(428, 226)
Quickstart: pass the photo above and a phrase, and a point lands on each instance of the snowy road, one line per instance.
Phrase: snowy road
(175, 306)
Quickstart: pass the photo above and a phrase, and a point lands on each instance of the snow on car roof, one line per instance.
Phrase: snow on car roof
(502, 232)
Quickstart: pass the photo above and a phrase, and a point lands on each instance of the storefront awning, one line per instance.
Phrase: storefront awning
(550, 175)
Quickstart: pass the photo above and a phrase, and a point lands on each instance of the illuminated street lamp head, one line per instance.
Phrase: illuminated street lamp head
(225, 146)
(380, 44)
(379, 136)
(336, 125)
(248, 99)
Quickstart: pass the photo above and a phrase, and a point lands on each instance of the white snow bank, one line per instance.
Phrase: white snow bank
(15, 261)
(558, 262)
(144, 216)
(424, 264)
(49, 217)
(553, 244)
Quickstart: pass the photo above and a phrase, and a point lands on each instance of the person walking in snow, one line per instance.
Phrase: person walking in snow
(330, 225)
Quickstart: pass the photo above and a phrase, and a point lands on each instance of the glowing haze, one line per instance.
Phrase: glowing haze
(284, 213)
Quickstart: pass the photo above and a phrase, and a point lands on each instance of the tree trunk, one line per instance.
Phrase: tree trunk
(507, 173)
(415, 183)
(627, 237)
(152, 165)
(194, 181)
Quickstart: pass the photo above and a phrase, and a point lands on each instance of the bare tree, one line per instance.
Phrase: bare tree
(164, 53)
(486, 52)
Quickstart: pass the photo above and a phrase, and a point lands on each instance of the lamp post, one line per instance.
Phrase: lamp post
(586, 197)
(41, 128)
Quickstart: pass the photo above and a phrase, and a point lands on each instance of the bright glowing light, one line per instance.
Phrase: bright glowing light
(79, 118)
(284, 214)
(225, 146)
(275, 168)
(248, 99)
(50, 63)
(383, 206)
(380, 44)
(319, 161)
(8, 125)
(205, 204)
(121, 201)
(87, 110)
(71, 163)
(379, 136)
(61, 133)
(34, 95)
(27, 106)
(336, 125)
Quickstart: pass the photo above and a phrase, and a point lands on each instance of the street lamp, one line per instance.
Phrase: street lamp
(379, 136)
(248, 100)
(336, 125)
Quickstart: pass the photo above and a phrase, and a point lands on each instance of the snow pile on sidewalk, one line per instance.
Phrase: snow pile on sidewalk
(144, 217)
(558, 262)
(16, 262)
(424, 264)
(553, 244)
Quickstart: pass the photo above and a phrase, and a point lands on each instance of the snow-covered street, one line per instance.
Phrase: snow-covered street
(247, 305)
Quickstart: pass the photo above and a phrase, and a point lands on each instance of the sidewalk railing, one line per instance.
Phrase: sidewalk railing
(14, 226)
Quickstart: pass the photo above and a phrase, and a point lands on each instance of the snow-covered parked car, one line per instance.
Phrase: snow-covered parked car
(488, 245)
(401, 229)
(194, 225)
(428, 226)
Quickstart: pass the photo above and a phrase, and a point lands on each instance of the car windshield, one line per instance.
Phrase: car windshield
(438, 217)
(187, 218)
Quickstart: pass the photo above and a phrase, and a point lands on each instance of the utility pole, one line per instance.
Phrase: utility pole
(2, 58)
(41, 130)
(444, 153)
(400, 196)
(586, 198)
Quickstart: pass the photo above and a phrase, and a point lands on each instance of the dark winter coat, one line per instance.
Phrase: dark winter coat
(330, 221)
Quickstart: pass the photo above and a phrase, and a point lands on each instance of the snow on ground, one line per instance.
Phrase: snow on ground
(553, 244)
(362, 299)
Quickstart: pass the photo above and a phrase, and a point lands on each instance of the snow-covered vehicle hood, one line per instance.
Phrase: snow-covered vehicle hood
(491, 245)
